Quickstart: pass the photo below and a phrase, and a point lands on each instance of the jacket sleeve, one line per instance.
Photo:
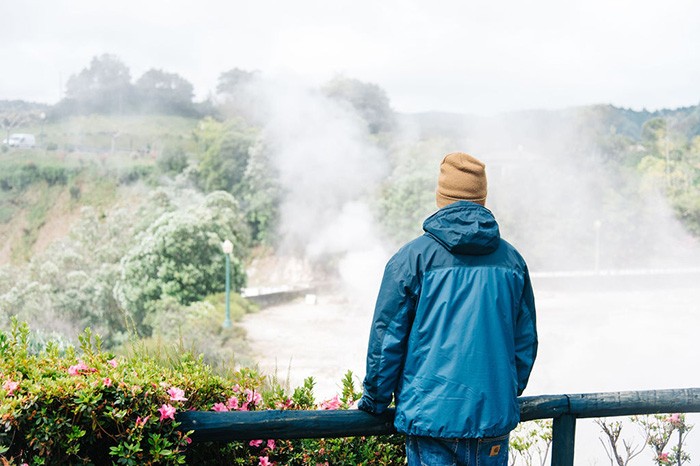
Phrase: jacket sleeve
(393, 316)
(525, 335)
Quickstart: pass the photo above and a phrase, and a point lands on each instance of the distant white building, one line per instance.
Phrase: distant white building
(21, 140)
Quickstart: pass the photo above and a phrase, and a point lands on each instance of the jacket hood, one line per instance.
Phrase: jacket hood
(464, 228)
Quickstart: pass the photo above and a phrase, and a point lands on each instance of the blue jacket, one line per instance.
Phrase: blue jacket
(453, 336)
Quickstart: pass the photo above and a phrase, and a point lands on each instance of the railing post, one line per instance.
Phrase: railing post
(563, 438)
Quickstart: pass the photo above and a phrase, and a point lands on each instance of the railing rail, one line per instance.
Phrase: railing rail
(563, 409)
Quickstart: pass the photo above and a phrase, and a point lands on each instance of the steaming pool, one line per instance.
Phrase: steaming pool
(622, 337)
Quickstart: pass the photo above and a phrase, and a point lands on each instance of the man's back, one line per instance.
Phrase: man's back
(463, 305)
(453, 338)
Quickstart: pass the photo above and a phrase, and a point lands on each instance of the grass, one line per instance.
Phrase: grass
(114, 134)
(198, 330)
(96, 191)
(239, 305)
(35, 215)
(7, 208)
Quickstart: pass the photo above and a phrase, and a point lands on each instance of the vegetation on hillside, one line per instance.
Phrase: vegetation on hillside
(150, 183)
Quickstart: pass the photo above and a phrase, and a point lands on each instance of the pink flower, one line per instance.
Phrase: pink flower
(252, 396)
(76, 369)
(674, 418)
(271, 444)
(286, 405)
(80, 368)
(141, 422)
(112, 362)
(255, 443)
(166, 411)
(176, 394)
(333, 403)
(663, 457)
(107, 382)
(232, 403)
(9, 386)
(236, 388)
(219, 407)
(264, 461)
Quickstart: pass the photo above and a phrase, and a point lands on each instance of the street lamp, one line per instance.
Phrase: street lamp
(227, 246)
(596, 225)
(42, 136)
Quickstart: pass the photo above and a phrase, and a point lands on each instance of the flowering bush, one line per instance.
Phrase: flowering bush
(88, 406)
(659, 430)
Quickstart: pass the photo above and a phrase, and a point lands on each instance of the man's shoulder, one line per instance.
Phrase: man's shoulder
(505, 245)
(416, 246)
(410, 254)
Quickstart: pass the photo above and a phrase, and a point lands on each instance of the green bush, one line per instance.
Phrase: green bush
(180, 256)
(18, 177)
(135, 173)
(68, 406)
(172, 161)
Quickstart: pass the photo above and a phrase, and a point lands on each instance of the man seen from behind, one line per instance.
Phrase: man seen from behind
(453, 338)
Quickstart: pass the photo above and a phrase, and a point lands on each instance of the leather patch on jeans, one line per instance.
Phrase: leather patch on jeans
(495, 450)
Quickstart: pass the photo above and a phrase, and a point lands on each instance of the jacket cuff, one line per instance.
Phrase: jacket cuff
(367, 405)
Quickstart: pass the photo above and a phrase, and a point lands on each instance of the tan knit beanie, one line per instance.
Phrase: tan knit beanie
(462, 178)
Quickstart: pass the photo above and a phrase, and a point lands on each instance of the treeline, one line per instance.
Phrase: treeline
(106, 87)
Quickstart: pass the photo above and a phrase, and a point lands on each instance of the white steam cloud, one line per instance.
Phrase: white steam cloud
(328, 169)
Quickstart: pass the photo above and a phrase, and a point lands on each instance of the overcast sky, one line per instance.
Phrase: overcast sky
(482, 57)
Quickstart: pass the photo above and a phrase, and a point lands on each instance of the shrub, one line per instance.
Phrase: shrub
(18, 177)
(172, 161)
(87, 406)
(135, 173)
(180, 256)
(74, 192)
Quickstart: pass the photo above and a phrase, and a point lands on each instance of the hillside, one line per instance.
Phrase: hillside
(97, 159)
(79, 161)
(116, 222)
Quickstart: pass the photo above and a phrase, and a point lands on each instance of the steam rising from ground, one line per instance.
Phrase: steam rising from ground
(328, 169)
(560, 202)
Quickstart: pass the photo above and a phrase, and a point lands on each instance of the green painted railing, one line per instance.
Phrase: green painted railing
(563, 409)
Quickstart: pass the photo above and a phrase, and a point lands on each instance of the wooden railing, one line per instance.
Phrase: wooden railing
(563, 409)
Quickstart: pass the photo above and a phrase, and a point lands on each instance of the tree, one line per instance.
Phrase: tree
(180, 256)
(236, 159)
(162, 92)
(103, 87)
(70, 285)
(368, 100)
(172, 160)
(226, 151)
(260, 194)
(236, 98)
(231, 81)
(612, 431)
(408, 194)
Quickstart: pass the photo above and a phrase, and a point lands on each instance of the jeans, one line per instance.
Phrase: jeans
(428, 451)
